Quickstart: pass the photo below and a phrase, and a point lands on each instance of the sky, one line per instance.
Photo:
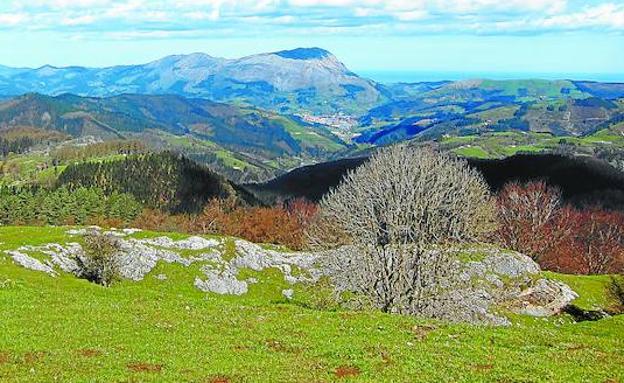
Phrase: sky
(392, 38)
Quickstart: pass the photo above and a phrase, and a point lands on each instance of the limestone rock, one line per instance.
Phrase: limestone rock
(221, 283)
(288, 293)
(31, 263)
(545, 298)
(191, 243)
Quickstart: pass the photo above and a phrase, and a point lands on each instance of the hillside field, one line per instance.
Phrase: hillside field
(69, 330)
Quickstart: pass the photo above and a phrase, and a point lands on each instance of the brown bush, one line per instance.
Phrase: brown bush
(559, 238)
(156, 220)
(284, 224)
(587, 241)
(102, 221)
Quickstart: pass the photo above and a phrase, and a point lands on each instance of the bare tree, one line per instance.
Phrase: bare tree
(524, 213)
(394, 214)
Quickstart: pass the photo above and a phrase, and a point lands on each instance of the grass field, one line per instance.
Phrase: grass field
(504, 144)
(69, 330)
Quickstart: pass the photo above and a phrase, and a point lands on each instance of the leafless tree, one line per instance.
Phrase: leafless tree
(392, 216)
(524, 211)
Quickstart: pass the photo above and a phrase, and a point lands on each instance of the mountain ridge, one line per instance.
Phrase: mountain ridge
(309, 79)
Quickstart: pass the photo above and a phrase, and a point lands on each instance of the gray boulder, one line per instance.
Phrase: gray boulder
(499, 281)
(544, 298)
(31, 263)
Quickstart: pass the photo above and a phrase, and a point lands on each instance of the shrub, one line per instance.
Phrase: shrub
(391, 211)
(156, 220)
(100, 261)
(560, 238)
(615, 291)
(284, 224)
(600, 241)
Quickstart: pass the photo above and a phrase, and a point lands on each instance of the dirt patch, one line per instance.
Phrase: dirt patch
(483, 367)
(145, 367)
(241, 347)
(382, 353)
(218, 379)
(347, 315)
(385, 357)
(5, 358)
(346, 371)
(34, 357)
(89, 352)
(421, 331)
(277, 346)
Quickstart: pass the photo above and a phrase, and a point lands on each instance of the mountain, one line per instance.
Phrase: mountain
(241, 141)
(309, 182)
(299, 80)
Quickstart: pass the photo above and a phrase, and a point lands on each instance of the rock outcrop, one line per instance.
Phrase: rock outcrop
(487, 281)
(496, 280)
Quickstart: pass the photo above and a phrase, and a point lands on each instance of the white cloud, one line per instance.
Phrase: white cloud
(127, 8)
(411, 15)
(12, 19)
(605, 15)
(467, 6)
(80, 20)
(61, 4)
(201, 15)
(297, 16)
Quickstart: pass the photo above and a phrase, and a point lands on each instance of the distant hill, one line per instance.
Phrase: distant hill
(236, 140)
(582, 180)
(431, 110)
(309, 79)
(309, 182)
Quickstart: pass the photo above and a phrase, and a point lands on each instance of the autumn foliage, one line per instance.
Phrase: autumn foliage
(282, 224)
(561, 238)
(526, 214)
(589, 241)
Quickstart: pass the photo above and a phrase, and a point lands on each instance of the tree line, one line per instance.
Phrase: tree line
(40, 206)
(18, 146)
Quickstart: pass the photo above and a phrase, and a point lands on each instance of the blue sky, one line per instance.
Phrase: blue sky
(542, 37)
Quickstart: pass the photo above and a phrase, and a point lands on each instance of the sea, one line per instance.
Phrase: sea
(389, 77)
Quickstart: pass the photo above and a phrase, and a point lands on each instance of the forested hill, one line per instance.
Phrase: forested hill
(582, 180)
(164, 181)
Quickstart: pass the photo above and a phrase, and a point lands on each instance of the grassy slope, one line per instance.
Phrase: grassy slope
(504, 144)
(26, 168)
(70, 330)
